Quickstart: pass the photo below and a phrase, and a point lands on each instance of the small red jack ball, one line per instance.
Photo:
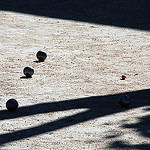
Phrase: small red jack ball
(123, 77)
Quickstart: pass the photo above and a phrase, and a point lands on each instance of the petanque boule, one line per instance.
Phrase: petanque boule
(124, 100)
(28, 71)
(41, 56)
(12, 105)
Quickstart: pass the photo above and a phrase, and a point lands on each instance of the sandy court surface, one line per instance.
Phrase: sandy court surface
(71, 102)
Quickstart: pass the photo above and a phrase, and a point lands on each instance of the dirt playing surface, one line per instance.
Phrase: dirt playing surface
(71, 102)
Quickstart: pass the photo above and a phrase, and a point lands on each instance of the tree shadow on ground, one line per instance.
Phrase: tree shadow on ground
(124, 145)
(97, 106)
(142, 127)
(122, 13)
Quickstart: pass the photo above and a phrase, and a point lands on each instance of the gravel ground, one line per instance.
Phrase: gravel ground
(71, 102)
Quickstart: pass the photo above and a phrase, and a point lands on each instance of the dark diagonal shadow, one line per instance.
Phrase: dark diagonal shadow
(98, 106)
(122, 13)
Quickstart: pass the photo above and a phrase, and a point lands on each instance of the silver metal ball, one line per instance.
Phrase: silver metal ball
(28, 71)
(41, 56)
(124, 100)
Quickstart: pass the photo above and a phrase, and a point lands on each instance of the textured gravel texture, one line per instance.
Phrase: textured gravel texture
(71, 101)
